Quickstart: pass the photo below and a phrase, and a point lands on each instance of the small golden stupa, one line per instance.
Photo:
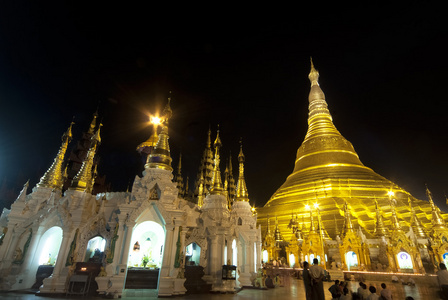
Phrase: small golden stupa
(328, 174)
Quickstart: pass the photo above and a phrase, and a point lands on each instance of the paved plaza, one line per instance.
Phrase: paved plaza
(292, 290)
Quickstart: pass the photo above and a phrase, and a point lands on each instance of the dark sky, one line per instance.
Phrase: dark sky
(383, 70)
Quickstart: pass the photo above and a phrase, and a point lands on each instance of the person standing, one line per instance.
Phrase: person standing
(442, 278)
(307, 281)
(385, 293)
(317, 275)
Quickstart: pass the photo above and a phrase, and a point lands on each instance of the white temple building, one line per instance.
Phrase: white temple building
(75, 238)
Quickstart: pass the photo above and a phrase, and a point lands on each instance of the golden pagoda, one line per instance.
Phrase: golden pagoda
(328, 174)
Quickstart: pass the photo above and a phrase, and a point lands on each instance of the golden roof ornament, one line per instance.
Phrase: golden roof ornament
(160, 157)
(148, 145)
(217, 188)
(93, 123)
(348, 220)
(437, 220)
(54, 177)
(83, 181)
(241, 189)
(416, 225)
(380, 229)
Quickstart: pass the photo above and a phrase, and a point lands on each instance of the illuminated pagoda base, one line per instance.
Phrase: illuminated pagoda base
(111, 238)
(332, 206)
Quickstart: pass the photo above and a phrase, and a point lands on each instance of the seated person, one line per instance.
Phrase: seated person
(269, 283)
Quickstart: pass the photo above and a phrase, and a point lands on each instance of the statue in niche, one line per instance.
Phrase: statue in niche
(18, 255)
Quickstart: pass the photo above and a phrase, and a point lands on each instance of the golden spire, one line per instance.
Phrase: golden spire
(93, 123)
(437, 220)
(241, 189)
(395, 222)
(348, 220)
(53, 178)
(201, 190)
(83, 181)
(217, 188)
(380, 229)
(148, 145)
(416, 225)
(312, 227)
(160, 157)
(277, 233)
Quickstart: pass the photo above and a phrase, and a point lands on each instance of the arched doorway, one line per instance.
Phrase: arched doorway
(145, 256)
(292, 260)
(193, 255)
(351, 259)
(95, 249)
(46, 255)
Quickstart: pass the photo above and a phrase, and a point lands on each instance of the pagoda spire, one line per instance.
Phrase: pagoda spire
(179, 179)
(83, 181)
(437, 220)
(416, 225)
(217, 188)
(201, 190)
(241, 189)
(160, 157)
(53, 178)
(380, 229)
(93, 123)
(348, 220)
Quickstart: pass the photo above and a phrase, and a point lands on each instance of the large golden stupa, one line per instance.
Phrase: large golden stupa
(327, 175)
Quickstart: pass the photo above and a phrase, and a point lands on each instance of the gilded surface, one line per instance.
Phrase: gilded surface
(329, 172)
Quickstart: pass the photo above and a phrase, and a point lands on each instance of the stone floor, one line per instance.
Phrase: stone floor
(293, 289)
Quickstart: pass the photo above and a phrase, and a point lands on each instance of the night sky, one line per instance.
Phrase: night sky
(382, 69)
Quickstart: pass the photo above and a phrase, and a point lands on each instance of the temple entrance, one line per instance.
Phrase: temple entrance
(292, 260)
(46, 255)
(351, 259)
(265, 256)
(193, 254)
(145, 256)
(404, 261)
(95, 250)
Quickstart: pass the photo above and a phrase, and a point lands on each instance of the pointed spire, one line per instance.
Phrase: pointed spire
(179, 179)
(395, 222)
(416, 225)
(201, 190)
(241, 189)
(312, 227)
(22, 195)
(93, 123)
(148, 145)
(348, 220)
(380, 229)
(53, 178)
(217, 187)
(160, 157)
(437, 220)
(83, 181)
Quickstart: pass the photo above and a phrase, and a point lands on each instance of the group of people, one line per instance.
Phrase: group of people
(313, 280)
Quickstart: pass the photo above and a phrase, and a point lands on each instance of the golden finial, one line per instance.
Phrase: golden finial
(160, 157)
(201, 190)
(314, 74)
(241, 189)
(93, 123)
(53, 178)
(437, 219)
(216, 180)
(348, 219)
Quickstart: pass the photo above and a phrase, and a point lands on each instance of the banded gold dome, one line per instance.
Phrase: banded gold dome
(329, 173)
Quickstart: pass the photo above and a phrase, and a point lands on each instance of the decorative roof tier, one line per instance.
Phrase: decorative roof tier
(328, 172)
